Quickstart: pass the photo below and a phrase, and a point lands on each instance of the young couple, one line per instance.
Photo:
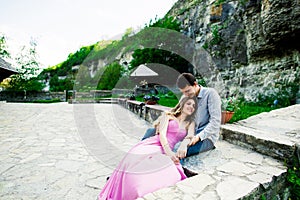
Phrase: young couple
(152, 164)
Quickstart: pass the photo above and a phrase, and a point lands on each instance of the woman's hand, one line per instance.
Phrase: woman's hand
(181, 152)
(173, 157)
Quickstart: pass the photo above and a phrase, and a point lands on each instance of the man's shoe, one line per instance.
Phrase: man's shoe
(188, 172)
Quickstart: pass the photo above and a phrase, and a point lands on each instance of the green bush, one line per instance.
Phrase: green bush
(293, 177)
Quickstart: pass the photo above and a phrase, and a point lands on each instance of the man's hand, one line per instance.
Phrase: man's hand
(194, 140)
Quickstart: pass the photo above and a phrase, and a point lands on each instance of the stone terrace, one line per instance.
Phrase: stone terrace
(44, 155)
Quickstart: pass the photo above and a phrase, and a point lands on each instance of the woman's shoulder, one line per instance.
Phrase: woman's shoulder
(170, 115)
(164, 116)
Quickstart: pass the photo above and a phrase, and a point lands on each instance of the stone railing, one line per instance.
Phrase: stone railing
(92, 96)
(148, 112)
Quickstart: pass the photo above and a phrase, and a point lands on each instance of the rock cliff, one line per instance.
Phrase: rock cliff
(253, 44)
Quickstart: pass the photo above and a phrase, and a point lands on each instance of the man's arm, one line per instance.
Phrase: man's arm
(212, 129)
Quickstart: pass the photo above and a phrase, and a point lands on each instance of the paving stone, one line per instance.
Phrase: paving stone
(94, 183)
(236, 168)
(195, 184)
(210, 195)
(254, 158)
(149, 196)
(68, 165)
(165, 193)
(260, 177)
(272, 170)
(31, 157)
(235, 188)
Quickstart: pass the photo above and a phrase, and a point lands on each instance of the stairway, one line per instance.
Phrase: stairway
(108, 100)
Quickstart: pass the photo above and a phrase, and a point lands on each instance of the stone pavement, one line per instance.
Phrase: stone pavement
(42, 155)
(50, 151)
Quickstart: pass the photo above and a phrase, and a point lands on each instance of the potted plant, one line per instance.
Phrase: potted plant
(151, 99)
(143, 84)
(229, 105)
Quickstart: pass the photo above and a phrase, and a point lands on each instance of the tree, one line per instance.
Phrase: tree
(57, 85)
(3, 48)
(110, 76)
(157, 55)
(28, 68)
(142, 56)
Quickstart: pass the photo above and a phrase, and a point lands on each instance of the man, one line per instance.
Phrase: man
(208, 118)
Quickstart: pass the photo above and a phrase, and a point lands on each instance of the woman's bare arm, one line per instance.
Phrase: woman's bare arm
(182, 150)
(163, 125)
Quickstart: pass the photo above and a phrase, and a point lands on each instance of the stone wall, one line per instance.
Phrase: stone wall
(121, 92)
(93, 94)
(23, 96)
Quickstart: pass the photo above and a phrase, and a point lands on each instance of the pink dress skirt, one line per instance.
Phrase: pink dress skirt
(145, 168)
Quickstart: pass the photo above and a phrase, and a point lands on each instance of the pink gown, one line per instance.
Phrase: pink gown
(145, 168)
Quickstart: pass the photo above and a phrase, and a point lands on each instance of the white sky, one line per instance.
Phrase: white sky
(61, 27)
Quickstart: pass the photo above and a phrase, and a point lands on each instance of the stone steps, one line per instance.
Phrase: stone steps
(276, 134)
(248, 163)
(108, 100)
(103, 101)
(228, 172)
(259, 141)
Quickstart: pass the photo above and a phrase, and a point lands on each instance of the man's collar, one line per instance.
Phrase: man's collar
(201, 92)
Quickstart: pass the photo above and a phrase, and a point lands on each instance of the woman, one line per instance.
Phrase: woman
(151, 164)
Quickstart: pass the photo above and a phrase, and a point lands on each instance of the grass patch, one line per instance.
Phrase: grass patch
(164, 100)
(168, 102)
(246, 110)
